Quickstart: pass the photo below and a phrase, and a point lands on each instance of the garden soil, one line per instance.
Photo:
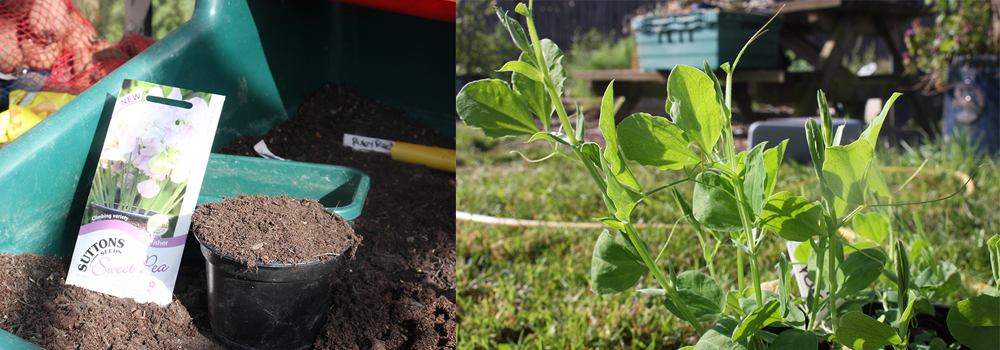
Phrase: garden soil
(398, 292)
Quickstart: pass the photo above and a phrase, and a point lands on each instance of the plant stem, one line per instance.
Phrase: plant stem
(549, 86)
(751, 240)
(814, 308)
(662, 279)
(833, 278)
(739, 270)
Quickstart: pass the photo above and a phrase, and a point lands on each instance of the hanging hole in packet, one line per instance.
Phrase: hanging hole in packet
(169, 102)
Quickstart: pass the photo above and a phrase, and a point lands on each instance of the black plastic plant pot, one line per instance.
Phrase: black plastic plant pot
(269, 306)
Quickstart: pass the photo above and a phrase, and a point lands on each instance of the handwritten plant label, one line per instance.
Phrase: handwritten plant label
(144, 191)
(364, 143)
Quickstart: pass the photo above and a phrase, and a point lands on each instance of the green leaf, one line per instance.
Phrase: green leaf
(613, 223)
(611, 152)
(902, 268)
(876, 182)
(748, 303)
(824, 112)
(872, 226)
(699, 292)
(694, 106)
(754, 178)
(551, 136)
(719, 337)
(685, 208)
(993, 245)
(791, 217)
(760, 318)
(714, 204)
(592, 154)
(794, 339)
(859, 270)
(625, 198)
(733, 303)
(553, 58)
(613, 268)
(517, 34)
(975, 322)
(871, 133)
(718, 93)
(655, 141)
(921, 305)
(535, 95)
(522, 9)
(860, 332)
(772, 162)
(523, 68)
(492, 106)
(845, 170)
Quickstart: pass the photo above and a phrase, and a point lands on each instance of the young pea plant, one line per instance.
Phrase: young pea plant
(501, 110)
(850, 181)
(730, 188)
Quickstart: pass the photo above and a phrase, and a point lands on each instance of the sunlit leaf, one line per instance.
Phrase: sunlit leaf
(845, 170)
(611, 152)
(792, 218)
(872, 226)
(694, 105)
(975, 322)
(861, 332)
(760, 318)
(655, 141)
(492, 106)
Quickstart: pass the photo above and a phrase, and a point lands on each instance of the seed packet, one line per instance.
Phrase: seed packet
(144, 191)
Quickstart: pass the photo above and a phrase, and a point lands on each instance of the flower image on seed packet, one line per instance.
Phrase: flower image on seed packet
(144, 191)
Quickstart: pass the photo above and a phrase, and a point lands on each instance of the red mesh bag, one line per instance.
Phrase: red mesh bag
(52, 37)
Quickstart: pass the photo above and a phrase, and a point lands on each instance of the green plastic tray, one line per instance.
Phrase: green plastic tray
(338, 188)
(266, 57)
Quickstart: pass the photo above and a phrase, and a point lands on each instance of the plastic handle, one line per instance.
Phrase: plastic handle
(433, 157)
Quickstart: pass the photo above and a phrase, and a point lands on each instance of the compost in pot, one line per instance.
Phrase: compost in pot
(270, 265)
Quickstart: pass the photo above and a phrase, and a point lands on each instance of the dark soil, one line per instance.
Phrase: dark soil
(270, 229)
(398, 293)
(39, 307)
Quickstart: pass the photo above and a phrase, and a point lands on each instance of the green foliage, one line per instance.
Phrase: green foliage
(616, 266)
(961, 27)
(975, 322)
(492, 106)
(731, 193)
(861, 332)
(792, 218)
(479, 48)
(719, 337)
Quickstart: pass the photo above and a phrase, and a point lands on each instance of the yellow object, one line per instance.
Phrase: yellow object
(4, 121)
(29, 108)
(433, 157)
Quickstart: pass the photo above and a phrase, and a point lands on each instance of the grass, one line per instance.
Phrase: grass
(528, 287)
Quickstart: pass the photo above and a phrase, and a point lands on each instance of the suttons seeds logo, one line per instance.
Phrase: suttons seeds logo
(100, 248)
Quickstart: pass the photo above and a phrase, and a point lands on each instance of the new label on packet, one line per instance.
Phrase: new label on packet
(144, 191)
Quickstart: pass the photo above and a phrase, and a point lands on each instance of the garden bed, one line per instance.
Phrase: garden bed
(398, 293)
